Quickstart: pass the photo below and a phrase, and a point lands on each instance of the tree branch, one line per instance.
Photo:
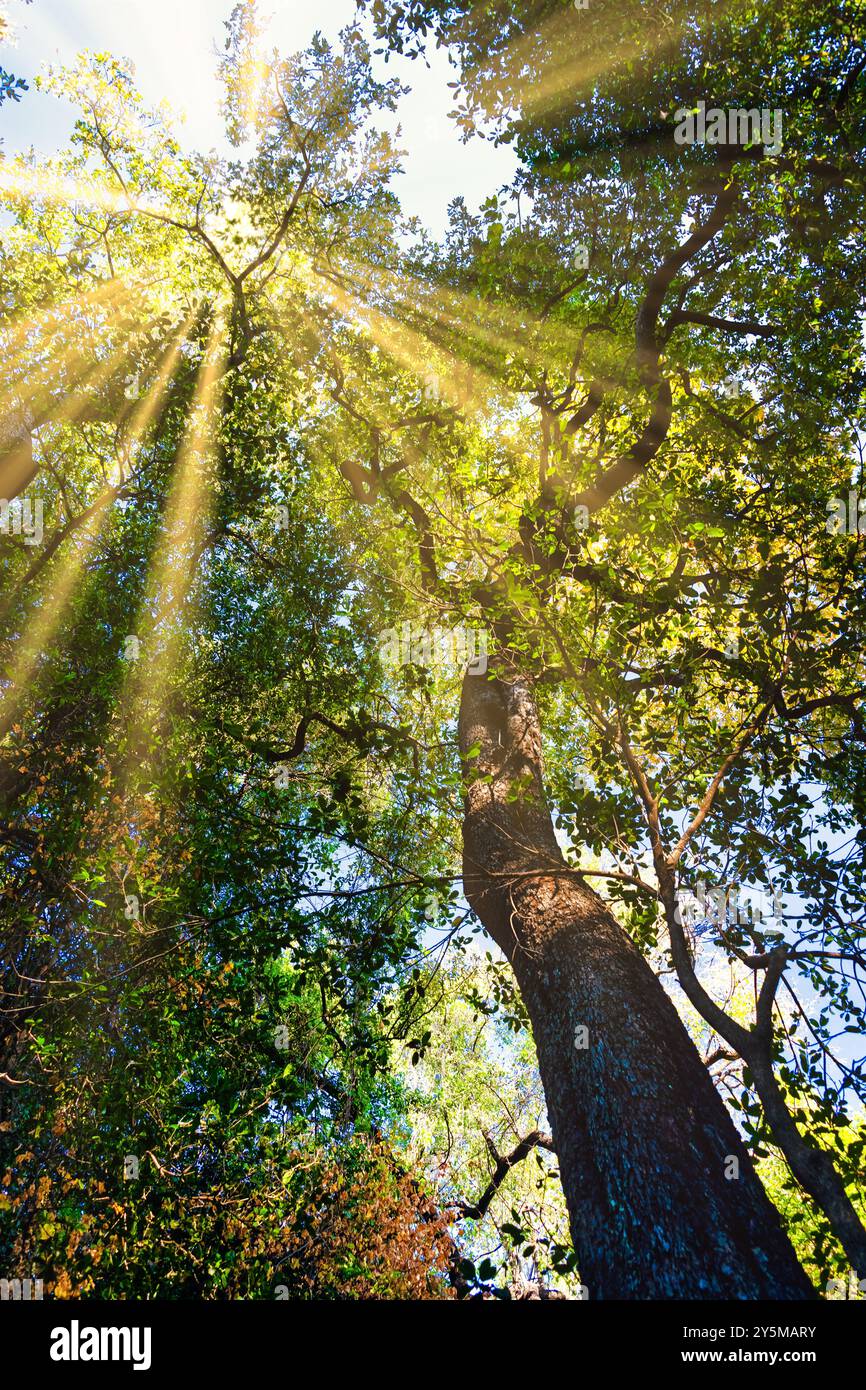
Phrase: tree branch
(474, 1211)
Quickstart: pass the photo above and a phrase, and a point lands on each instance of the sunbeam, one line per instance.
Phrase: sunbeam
(43, 185)
(40, 348)
(445, 377)
(154, 649)
(66, 392)
(40, 628)
(14, 332)
(553, 77)
(491, 326)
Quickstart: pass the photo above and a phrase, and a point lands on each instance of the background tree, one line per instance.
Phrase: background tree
(535, 425)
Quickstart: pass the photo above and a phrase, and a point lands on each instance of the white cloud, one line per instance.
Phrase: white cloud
(174, 45)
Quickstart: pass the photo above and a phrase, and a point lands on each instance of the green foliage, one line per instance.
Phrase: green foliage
(11, 87)
(400, 435)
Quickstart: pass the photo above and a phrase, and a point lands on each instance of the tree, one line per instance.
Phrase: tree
(11, 87)
(564, 147)
(591, 428)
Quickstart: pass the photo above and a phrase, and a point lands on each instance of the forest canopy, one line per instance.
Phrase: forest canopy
(432, 792)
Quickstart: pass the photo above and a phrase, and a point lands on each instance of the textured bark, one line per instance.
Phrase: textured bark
(642, 1138)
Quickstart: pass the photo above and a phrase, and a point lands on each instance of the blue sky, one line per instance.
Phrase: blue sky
(173, 45)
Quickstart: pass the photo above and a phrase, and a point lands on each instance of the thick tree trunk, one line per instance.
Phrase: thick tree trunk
(662, 1198)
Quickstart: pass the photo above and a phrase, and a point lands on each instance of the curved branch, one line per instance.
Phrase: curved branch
(474, 1211)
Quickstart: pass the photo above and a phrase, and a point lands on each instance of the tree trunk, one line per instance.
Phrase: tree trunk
(662, 1198)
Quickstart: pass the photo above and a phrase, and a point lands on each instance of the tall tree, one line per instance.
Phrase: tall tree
(593, 136)
(599, 427)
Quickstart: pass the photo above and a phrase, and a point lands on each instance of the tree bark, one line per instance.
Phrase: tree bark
(662, 1198)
